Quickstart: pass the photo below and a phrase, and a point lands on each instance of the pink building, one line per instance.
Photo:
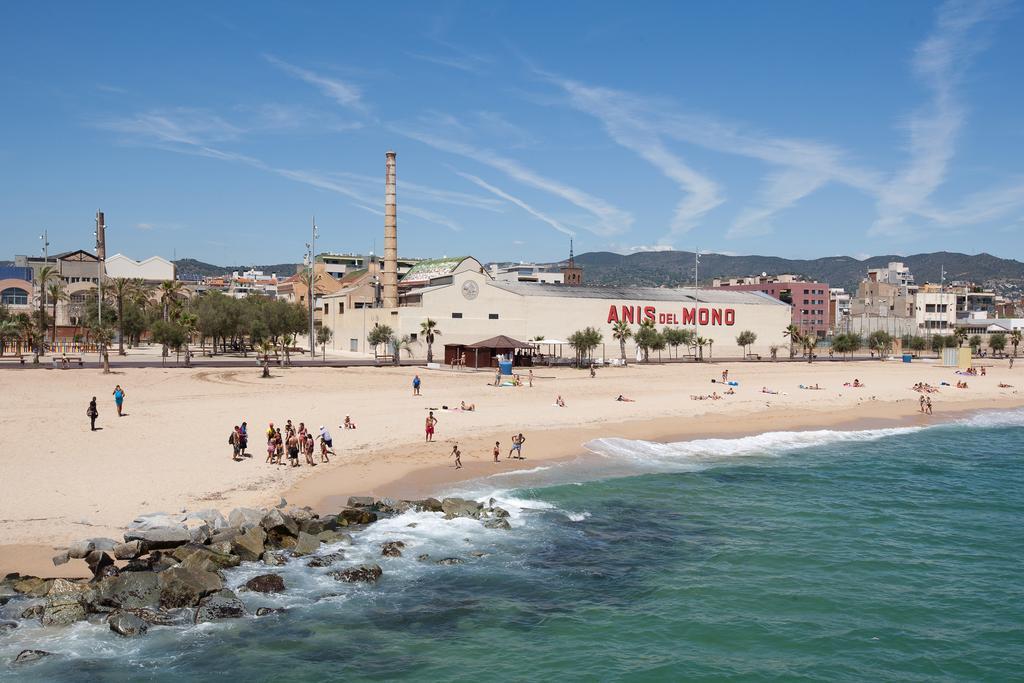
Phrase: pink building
(809, 300)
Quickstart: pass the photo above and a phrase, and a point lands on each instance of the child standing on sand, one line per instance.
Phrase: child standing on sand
(497, 450)
(457, 455)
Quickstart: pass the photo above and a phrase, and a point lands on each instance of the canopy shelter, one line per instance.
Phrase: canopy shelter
(485, 354)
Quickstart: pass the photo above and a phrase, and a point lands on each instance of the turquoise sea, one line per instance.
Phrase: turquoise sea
(886, 555)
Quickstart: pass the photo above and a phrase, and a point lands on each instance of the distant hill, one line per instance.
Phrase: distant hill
(675, 268)
(190, 268)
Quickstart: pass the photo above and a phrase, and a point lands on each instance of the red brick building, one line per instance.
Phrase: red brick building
(809, 300)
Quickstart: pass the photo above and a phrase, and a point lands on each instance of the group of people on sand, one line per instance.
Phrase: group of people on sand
(290, 443)
(925, 388)
(517, 447)
(93, 411)
(517, 380)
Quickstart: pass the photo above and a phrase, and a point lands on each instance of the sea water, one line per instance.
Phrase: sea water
(836, 556)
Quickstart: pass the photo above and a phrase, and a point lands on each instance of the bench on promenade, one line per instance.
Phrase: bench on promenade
(60, 360)
(753, 356)
(17, 357)
(272, 361)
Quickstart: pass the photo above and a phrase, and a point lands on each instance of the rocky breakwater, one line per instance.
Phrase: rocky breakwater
(169, 569)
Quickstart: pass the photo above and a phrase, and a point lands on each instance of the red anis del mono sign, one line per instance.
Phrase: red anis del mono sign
(686, 316)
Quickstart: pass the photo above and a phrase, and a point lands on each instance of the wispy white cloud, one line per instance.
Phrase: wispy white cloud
(144, 226)
(518, 202)
(781, 190)
(432, 217)
(940, 63)
(634, 132)
(345, 94)
(182, 125)
(457, 57)
(609, 219)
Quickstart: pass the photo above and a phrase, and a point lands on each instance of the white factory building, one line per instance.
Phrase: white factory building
(470, 305)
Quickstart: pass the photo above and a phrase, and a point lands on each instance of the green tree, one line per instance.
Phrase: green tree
(169, 293)
(122, 289)
(795, 338)
(880, 342)
(960, 335)
(323, 336)
(57, 292)
(380, 334)
(918, 344)
(975, 343)
(584, 342)
(399, 344)
(43, 277)
(997, 342)
(699, 343)
(10, 330)
(620, 333)
(646, 336)
(168, 333)
(188, 322)
(810, 343)
(774, 351)
(428, 328)
(102, 334)
(937, 344)
(1015, 339)
(674, 338)
(746, 339)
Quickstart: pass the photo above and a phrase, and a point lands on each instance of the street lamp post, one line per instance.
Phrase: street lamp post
(311, 262)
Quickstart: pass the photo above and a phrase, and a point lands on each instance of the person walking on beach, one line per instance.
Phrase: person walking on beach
(517, 446)
(416, 385)
(119, 398)
(529, 378)
(497, 377)
(93, 413)
(293, 449)
(234, 440)
(928, 404)
(326, 444)
(307, 446)
(922, 403)
(243, 432)
(593, 372)
(457, 454)
(497, 450)
(429, 426)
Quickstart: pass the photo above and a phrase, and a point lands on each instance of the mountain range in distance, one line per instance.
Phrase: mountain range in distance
(675, 268)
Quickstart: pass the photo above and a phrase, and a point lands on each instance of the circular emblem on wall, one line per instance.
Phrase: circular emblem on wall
(470, 289)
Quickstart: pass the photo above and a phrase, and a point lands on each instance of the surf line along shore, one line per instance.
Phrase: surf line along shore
(168, 454)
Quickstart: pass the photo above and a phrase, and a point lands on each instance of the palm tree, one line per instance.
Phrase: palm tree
(265, 346)
(1015, 339)
(746, 339)
(102, 336)
(324, 335)
(401, 344)
(380, 334)
(57, 291)
(795, 337)
(700, 343)
(45, 274)
(774, 351)
(168, 294)
(621, 332)
(810, 342)
(122, 288)
(429, 330)
(9, 329)
(960, 334)
(188, 322)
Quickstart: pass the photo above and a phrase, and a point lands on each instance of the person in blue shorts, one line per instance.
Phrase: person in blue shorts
(416, 385)
(119, 399)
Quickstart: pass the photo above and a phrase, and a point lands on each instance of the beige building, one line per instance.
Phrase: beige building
(935, 310)
(152, 270)
(469, 306)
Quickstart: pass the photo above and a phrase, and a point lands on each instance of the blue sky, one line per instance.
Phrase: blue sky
(802, 129)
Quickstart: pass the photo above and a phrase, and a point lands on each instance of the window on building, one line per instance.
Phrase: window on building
(14, 296)
(492, 316)
(456, 315)
(327, 308)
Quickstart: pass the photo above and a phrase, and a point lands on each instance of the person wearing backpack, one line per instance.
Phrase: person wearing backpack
(92, 412)
(236, 443)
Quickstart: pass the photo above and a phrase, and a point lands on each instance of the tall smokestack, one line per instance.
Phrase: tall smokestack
(390, 277)
(101, 238)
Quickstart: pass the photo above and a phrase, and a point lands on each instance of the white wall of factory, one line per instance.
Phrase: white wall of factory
(495, 311)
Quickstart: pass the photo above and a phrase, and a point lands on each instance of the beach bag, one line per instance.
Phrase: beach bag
(231, 439)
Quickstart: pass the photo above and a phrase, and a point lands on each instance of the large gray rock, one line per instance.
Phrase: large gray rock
(334, 537)
(300, 515)
(498, 523)
(350, 516)
(128, 551)
(159, 538)
(243, 518)
(202, 557)
(364, 573)
(325, 560)
(360, 501)
(274, 559)
(127, 624)
(61, 558)
(32, 586)
(7, 627)
(305, 544)
(427, 505)
(29, 656)
(277, 522)
(249, 546)
(129, 590)
(99, 562)
(225, 535)
(105, 544)
(313, 527)
(62, 609)
(185, 587)
(220, 605)
(201, 534)
(156, 520)
(81, 549)
(266, 583)
(213, 518)
(460, 507)
(392, 549)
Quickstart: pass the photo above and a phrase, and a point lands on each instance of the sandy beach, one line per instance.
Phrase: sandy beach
(170, 453)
